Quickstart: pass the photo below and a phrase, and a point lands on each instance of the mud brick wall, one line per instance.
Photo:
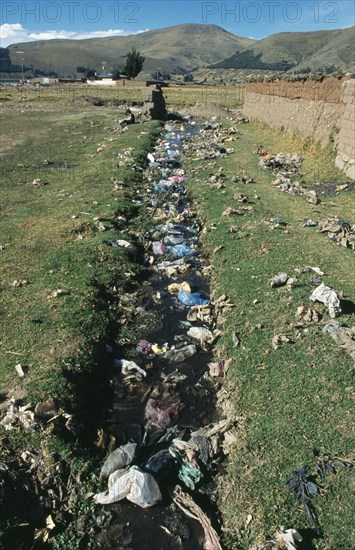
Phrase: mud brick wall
(310, 108)
(346, 140)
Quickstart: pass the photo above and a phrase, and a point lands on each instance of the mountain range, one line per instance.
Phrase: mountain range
(185, 48)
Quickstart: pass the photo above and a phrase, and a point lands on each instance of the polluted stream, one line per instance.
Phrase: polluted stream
(170, 417)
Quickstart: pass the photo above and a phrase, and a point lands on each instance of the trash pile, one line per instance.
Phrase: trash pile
(339, 231)
(164, 423)
(288, 163)
(211, 143)
(285, 167)
(295, 188)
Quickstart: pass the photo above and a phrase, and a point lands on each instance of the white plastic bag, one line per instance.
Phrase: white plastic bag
(137, 486)
(201, 334)
(327, 296)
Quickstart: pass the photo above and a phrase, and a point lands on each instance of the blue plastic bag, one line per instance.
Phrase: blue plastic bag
(192, 298)
(180, 250)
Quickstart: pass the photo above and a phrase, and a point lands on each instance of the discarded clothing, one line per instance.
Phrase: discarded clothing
(191, 509)
(144, 347)
(159, 248)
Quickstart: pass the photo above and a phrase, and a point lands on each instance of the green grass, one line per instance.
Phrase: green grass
(75, 97)
(298, 397)
(54, 241)
(292, 399)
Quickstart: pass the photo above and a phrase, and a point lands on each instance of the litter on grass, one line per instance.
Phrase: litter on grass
(289, 538)
(328, 297)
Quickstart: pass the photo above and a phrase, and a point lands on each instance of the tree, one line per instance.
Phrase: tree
(134, 63)
(90, 73)
(5, 61)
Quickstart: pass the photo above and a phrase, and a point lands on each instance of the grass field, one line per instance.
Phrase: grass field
(293, 399)
(59, 202)
(299, 397)
(230, 96)
(53, 233)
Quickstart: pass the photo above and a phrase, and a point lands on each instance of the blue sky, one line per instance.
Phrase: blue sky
(23, 21)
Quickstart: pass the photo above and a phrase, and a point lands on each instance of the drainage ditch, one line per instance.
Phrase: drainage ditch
(169, 419)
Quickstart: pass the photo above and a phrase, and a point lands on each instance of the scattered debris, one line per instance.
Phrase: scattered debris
(327, 296)
(161, 411)
(290, 162)
(343, 337)
(192, 298)
(309, 223)
(19, 414)
(339, 231)
(56, 293)
(302, 484)
(202, 334)
(288, 538)
(179, 355)
(308, 314)
(308, 269)
(280, 339)
(282, 279)
(19, 282)
(229, 211)
(21, 370)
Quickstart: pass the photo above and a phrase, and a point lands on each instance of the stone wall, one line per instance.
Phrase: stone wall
(313, 108)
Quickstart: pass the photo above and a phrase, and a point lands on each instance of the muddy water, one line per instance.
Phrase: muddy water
(165, 526)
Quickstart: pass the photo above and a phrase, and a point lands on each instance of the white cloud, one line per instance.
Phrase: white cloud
(15, 33)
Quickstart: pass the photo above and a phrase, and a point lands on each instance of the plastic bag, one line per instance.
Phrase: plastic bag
(180, 355)
(279, 279)
(192, 298)
(180, 251)
(327, 296)
(160, 412)
(144, 347)
(137, 486)
(159, 248)
(118, 459)
(127, 366)
(201, 334)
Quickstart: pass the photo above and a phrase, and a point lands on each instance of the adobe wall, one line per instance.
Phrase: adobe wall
(346, 140)
(311, 108)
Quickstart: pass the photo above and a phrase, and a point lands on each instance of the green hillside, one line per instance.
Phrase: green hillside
(183, 48)
(295, 51)
(174, 49)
